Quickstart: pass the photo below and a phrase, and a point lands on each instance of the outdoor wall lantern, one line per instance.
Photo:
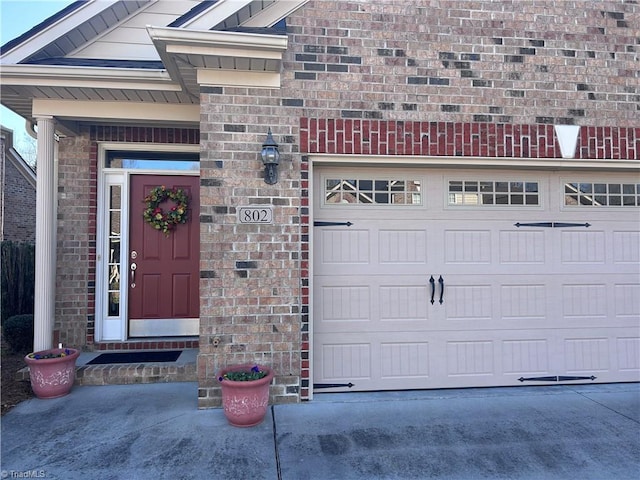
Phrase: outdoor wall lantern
(271, 159)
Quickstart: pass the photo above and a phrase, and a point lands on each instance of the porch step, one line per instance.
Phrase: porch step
(182, 370)
(126, 374)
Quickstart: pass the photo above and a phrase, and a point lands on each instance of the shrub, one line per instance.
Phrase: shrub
(18, 332)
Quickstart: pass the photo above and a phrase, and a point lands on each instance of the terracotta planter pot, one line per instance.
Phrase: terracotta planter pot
(245, 403)
(52, 377)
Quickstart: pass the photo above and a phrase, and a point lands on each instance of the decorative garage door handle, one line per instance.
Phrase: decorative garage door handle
(433, 289)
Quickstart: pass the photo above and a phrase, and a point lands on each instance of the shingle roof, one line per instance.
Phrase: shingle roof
(202, 6)
(99, 62)
(279, 28)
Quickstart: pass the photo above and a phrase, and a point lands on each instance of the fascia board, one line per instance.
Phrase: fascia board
(87, 77)
(116, 111)
(223, 52)
(218, 13)
(274, 13)
(214, 40)
(238, 78)
(56, 30)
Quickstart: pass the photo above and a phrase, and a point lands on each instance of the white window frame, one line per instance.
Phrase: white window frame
(581, 207)
(374, 178)
(524, 178)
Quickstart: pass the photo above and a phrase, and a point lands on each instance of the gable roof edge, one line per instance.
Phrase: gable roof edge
(214, 13)
(12, 155)
(216, 39)
(274, 13)
(11, 44)
(194, 12)
(25, 170)
(53, 27)
(170, 43)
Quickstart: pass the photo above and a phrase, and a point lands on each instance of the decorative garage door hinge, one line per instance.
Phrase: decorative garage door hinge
(552, 224)
(317, 386)
(559, 378)
(332, 224)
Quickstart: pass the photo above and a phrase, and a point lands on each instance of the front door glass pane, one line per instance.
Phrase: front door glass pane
(114, 235)
(153, 161)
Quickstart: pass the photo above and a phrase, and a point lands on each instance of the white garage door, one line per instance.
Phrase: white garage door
(429, 278)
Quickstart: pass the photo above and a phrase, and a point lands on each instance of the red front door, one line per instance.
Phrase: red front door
(163, 268)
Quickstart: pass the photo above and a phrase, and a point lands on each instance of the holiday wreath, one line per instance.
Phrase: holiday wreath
(157, 217)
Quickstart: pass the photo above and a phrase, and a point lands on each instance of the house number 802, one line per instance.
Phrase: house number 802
(255, 214)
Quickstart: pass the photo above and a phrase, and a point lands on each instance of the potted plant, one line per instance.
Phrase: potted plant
(245, 393)
(53, 371)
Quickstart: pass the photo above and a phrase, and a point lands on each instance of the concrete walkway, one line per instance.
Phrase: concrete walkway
(156, 432)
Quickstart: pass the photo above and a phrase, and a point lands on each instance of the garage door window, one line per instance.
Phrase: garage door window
(586, 194)
(373, 191)
(487, 193)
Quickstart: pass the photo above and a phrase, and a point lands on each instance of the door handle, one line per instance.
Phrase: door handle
(133, 268)
(441, 282)
(433, 289)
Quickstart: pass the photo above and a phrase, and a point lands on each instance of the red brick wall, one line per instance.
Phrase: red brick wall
(75, 268)
(397, 137)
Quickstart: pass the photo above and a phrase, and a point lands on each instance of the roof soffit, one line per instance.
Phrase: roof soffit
(51, 37)
(184, 52)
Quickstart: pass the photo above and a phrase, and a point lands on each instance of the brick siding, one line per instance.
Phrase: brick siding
(18, 209)
(506, 62)
(75, 266)
(250, 274)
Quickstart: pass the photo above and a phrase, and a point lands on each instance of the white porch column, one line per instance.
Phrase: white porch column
(45, 282)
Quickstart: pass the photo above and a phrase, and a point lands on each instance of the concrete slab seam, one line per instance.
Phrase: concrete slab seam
(275, 443)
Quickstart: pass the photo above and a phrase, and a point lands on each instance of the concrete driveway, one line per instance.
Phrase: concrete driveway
(156, 432)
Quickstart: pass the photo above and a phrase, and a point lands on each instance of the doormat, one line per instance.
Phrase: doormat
(136, 357)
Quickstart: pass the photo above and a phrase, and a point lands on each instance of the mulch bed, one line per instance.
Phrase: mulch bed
(13, 391)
